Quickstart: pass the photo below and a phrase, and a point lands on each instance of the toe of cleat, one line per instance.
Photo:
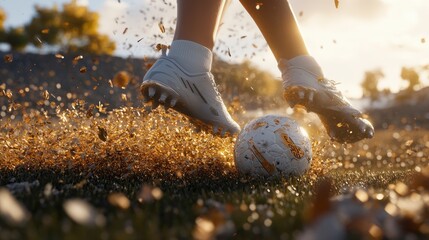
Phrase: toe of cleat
(343, 122)
(351, 132)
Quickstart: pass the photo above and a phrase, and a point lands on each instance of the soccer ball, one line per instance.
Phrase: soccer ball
(272, 146)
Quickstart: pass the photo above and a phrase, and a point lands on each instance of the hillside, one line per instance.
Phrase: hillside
(407, 110)
(69, 78)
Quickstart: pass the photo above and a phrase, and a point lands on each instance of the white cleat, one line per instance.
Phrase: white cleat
(305, 86)
(193, 94)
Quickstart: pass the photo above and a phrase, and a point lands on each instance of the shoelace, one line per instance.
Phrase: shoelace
(213, 83)
(327, 83)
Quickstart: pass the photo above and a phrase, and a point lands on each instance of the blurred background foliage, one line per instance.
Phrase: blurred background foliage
(71, 28)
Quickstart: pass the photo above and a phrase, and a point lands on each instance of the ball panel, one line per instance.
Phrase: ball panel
(272, 146)
(267, 165)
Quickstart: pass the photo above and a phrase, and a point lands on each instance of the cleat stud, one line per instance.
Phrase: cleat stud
(223, 133)
(151, 92)
(173, 102)
(310, 96)
(163, 97)
(215, 129)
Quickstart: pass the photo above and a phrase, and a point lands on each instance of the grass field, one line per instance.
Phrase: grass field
(140, 175)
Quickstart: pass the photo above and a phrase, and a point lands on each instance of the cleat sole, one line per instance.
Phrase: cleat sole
(342, 122)
(159, 94)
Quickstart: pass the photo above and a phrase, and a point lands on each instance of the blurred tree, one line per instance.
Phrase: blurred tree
(98, 44)
(370, 84)
(16, 38)
(410, 75)
(74, 28)
(45, 26)
(78, 20)
(254, 87)
(386, 91)
(245, 78)
(2, 19)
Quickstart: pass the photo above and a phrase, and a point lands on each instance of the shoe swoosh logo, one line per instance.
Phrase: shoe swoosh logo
(199, 93)
(192, 87)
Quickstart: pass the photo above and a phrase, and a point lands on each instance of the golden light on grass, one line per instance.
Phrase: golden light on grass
(401, 188)
(11, 211)
(119, 200)
(204, 229)
(149, 194)
(83, 213)
(391, 209)
(362, 195)
(133, 140)
(375, 232)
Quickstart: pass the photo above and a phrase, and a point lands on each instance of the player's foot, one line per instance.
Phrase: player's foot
(193, 94)
(305, 86)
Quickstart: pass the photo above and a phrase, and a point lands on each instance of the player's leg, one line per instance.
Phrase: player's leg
(198, 20)
(277, 23)
(182, 79)
(303, 78)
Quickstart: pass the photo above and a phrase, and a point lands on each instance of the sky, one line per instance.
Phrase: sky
(359, 36)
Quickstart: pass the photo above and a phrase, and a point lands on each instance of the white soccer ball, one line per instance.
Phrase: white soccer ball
(272, 146)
